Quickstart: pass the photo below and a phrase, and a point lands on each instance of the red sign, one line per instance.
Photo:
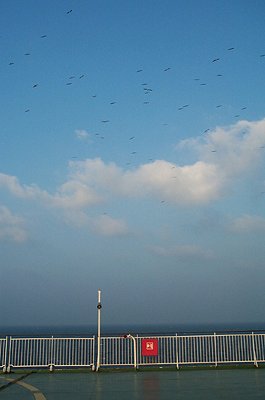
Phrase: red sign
(149, 347)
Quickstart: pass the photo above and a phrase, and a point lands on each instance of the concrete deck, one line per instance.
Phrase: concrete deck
(145, 385)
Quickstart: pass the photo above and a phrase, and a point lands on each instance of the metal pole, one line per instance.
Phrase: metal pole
(99, 306)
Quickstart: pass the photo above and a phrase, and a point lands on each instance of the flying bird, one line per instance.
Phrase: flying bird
(216, 59)
(139, 70)
(113, 102)
(81, 76)
(43, 36)
(11, 63)
(69, 12)
(35, 85)
(132, 137)
(27, 110)
(231, 48)
(167, 69)
(105, 120)
(27, 54)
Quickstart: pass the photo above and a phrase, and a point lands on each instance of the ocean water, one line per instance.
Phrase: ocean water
(108, 330)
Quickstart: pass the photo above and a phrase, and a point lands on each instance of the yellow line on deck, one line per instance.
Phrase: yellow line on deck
(35, 391)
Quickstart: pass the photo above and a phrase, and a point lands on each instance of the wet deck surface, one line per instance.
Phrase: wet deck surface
(149, 385)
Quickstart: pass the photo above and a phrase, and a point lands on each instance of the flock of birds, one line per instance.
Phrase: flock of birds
(147, 90)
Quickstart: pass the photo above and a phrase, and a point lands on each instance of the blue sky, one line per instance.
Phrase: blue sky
(132, 143)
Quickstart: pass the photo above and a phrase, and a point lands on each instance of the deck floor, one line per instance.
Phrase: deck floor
(150, 385)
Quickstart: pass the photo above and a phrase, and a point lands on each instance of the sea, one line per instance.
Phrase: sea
(134, 329)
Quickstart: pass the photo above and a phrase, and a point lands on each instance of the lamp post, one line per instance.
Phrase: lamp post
(99, 306)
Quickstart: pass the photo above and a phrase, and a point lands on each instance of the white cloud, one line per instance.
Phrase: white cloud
(197, 183)
(82, 134)
(248, 223)
(182, 251)
(11, 226)
(234, 149)
(108, 226)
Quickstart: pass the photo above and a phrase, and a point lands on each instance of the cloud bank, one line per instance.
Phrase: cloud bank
(222, 155)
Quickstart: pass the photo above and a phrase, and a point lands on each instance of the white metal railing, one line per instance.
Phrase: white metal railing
(3, 353)
(177, 350)
(130, 351)
(51, 352)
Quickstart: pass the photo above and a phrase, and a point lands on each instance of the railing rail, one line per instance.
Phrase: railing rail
(133, 351)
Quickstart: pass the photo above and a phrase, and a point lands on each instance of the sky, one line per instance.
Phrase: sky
(132, 155)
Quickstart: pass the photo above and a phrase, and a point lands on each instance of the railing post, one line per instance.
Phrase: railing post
(215, 349)
(8, 369)
(51, 355)
(254, 350)
(177, 352)
(5, 356)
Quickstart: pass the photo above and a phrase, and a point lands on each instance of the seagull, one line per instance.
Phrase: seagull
(113, 102)
(105, 120)
(11, 63)
(68, 12)
(203, 84)
(69, 83)
(81, 76)
(167, 69)
(139, 70)
(72, 77)
(231, 48)
(262, 55)
(34, 86)
(132, 137)
(219, 75)
(216, 59)
(28, 110)
(219, 105)
(43, 36)
(243, 108)
(27, 54)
